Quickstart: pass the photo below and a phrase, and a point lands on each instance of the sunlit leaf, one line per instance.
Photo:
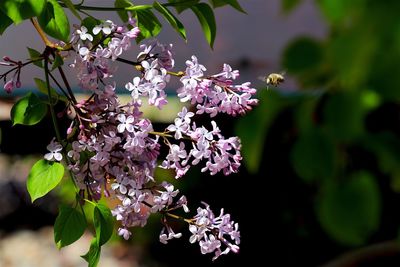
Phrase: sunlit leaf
(173, 21)
(206, 18)
(44, 177)
(54, 21)
(19, 10)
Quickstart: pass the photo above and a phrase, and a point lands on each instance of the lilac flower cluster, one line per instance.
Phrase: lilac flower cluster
(212, 232)
(221, 154)
(215, 94)
(115, 150)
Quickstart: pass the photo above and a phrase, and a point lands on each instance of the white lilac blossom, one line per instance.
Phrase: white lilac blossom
(54, 149)
(113, 150)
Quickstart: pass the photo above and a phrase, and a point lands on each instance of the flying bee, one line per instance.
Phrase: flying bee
(274, 79)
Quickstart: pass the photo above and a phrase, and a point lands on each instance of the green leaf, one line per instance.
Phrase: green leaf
(182, 5)
(44, 177)
(302, 54)
(206, 18)
(29, 110)
(233, 3)
(54, 21)
(253, 127)
(42, 87)
(72, 8)
(313, 156)
(289, 5)
(19, 10)
(350, 211)
(173, 21)
(93, 255)
(344, 115)
(69, 226)
(34, 54)
(148, 24)
(103, 222)
(123, 3)
(5, 21)
(58, 61)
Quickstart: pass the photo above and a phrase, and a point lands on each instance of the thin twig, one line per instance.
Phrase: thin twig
(359, 256)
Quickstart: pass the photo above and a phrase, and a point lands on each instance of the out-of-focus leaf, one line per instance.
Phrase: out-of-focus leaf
(344, 115)
(313, 156)
(205, 15)
(303, 54)
(289, 5)
(350, 56)
(253, 127)
(349, 210)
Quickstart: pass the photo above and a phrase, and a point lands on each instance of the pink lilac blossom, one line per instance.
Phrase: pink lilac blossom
(217, 93)
(114, 150)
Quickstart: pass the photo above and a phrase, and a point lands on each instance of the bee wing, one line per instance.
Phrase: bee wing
(262, 78)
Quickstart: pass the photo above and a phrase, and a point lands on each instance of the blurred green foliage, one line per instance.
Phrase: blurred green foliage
(348, 80)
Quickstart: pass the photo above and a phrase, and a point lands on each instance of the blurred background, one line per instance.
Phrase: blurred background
(320, 181)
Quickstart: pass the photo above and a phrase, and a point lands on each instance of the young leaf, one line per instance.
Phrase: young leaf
(58, 61)
(4, 22)
(42, 87)
(44, 177)
(148, 24)
(206, 18)
(72, 8)
(93, 255)
(29, 110)
(103, 222)
(34, 54)
(54, 21)
(19, 10)
(69, 226)
(173, 21)
(122, 3)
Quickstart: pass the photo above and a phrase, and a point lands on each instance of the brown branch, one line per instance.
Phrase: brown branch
(359, 256)
(46, 41)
